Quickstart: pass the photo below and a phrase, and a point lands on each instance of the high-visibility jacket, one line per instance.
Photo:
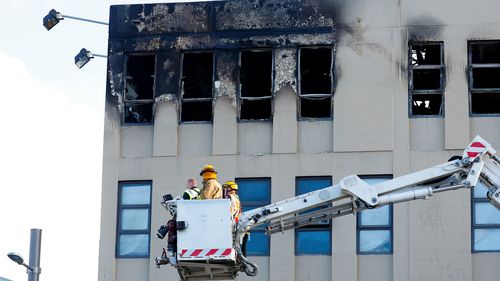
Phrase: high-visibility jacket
(235, 206)
(211, 189)
(191, 193)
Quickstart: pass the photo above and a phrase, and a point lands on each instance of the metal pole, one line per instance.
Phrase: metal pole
(35, 245)
(87, 20)
(101, 56)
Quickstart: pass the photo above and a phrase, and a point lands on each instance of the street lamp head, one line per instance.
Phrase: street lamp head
(16, 258)
(83, 57)
(52, 18)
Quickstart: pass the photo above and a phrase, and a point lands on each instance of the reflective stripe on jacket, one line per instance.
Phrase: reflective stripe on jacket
(191, 193)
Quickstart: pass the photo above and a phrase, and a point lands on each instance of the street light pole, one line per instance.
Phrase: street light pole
(35, 246)
(33, 269)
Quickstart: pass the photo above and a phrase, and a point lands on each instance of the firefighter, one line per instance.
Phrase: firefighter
(211, 187)
(231, 188)
(192, 192)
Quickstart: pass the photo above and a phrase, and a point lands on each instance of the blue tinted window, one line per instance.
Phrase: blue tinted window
(134, 245)
(374, 227)
(257, 192)
(480, 191)
(305, 185)
(254, 193)
(379, 216)
(135, 193)
(375, 241)
(134, 211)
(487, 239)
(258, 244)
(136, 219)
(314, 239)
(485, 222)
(313, 242)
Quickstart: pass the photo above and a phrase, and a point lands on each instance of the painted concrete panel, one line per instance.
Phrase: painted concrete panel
(315, 136)
(456, 96)
(285, 122)
(313, 268)
(440, 231)
(448, 12)
(484, 265)
(225, 133)
(136, 141)
(426, 134)
(344, 259)
(132, 269)
(165, 129)
(375, 267)
(282, 249)
(362, 121)
(401, 158)
(357, 15)
(195, 139)
(255, 138)
(488, 128)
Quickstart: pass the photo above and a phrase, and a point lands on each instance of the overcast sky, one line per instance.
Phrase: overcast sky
(51, 136)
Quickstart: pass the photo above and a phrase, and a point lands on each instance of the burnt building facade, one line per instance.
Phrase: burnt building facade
(290, 96)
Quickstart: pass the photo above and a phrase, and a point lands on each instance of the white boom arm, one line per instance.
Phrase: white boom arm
(353, 194)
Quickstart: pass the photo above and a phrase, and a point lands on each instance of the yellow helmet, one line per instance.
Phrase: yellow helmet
(230, 184)
(208, 168)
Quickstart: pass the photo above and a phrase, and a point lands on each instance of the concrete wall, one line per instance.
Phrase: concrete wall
(370, 134)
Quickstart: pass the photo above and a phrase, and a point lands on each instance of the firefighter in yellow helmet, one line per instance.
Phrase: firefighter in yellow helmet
(231, 188)
(211, 187)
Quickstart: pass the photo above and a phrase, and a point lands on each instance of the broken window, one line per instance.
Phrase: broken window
(484, 77)
(256, 84)
(426, 78)
(139, 88)
(315, 82)
(197, 87)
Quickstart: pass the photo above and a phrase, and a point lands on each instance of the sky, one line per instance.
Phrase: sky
(51, 146)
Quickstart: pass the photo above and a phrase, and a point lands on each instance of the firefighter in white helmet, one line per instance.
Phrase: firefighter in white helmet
(231, 188)
(211, 187)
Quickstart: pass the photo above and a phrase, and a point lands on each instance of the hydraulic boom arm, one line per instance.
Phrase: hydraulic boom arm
(352, 194)
(194, 261)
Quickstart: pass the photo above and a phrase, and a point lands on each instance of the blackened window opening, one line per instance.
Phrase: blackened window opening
(197, 87)
(139, 89)
(315, 79)
(426, 78)
(427, 104)
(484, 77)
(485, 52)
(256, 82)
(316, 108)
(315, 71)
(426, 54)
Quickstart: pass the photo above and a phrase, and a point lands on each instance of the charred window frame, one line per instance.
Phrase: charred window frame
(316, 82)
(484, 78)
(256, 85)
(139, 84)
(426, 79)
(197, 87)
